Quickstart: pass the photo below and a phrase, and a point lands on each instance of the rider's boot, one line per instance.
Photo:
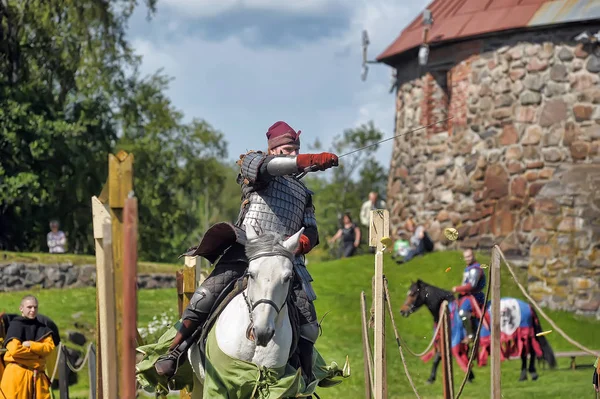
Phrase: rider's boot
(465, 316)
(308, 336)
(193, 317)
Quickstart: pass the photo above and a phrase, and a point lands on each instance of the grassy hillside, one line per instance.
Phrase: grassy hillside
(338, 285)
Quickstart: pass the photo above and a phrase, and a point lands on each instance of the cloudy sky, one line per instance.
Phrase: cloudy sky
(244, 64)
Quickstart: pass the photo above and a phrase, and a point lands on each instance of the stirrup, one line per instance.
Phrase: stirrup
(175, 355)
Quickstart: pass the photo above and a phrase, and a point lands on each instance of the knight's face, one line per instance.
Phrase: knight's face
(468, 256)
(285, 150)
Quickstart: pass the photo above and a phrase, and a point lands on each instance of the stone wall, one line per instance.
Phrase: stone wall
(522, 107)
(564, 271)
(19, 277)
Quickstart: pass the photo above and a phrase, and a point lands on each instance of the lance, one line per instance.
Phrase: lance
(312, 168)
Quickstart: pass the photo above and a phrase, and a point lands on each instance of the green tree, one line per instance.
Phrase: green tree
(357, 174)
(70, 93)
(62, 69)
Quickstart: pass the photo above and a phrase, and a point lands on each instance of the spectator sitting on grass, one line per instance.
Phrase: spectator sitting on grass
(401, 245)
(420, 241)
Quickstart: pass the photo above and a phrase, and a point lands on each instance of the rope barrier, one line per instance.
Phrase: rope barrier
(541, 312)
(83, 363)
(59, 349)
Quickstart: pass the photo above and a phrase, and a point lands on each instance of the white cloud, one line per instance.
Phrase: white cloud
(211, 8)
(315, 86)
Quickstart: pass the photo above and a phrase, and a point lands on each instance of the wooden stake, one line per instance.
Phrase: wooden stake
(496, 317)
(368, 359)
(379, 228)
(106, 341)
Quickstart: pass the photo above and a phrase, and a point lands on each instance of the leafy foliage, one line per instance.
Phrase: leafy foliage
(70, 93)
(357, 174)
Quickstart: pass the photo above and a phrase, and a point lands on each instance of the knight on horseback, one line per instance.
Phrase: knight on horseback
(473, 284)
(274, 200)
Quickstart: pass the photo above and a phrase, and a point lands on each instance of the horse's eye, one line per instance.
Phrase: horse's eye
(251, 275)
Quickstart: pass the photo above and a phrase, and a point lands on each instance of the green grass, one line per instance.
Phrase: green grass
(49, 259)
(338, 285)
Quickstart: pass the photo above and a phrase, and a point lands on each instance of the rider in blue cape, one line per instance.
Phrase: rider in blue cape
(473, 284)
(274, 199)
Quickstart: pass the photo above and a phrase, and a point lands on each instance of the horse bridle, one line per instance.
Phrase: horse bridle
(411, 307)
(252, 306)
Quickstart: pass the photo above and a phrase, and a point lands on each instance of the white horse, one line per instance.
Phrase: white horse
(255, 326)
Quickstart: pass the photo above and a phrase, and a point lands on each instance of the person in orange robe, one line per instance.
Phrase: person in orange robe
(29, 341)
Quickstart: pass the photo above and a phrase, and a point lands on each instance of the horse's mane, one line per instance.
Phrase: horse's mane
(266, 242)
(444, 293)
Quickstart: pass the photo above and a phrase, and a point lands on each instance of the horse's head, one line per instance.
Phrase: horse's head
(414, 299)
(270, 273)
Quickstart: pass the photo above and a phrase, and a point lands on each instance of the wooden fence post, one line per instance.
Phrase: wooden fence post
(63, 373)
(106, 377)
(92, 373)
(130, 229)
(495, 320)
(368, 359)
(445, 344)
(120, 184)
(379, 228)
(108, 232)
(186, 286)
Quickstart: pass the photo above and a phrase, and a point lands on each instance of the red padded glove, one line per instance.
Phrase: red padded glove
(322, 161)
(303, 245)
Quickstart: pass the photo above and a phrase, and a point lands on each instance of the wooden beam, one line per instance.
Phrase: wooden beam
(495, 320)
(379, 228)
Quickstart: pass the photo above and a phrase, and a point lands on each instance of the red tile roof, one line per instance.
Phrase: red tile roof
(454, 19)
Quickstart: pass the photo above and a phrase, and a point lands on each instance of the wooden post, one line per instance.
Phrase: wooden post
(445, 344)
(368, 360)
(379, 228)
(63, 373)
(495, 320)
(92, 373)
(106, 340)
(130, 219)
(188, 287)
(120, 184)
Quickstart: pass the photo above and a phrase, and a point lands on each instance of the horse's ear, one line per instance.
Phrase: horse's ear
(291, 244)
(251, 233)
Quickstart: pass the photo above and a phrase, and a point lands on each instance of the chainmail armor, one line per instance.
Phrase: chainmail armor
(250, 166)
(280, 207)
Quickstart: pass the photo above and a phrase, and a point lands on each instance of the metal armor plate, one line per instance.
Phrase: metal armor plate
(279, 207)
(472, 276)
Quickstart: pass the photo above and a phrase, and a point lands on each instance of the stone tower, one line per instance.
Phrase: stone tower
(519, 162)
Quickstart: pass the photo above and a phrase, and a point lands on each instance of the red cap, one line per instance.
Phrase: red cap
(280, 133)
